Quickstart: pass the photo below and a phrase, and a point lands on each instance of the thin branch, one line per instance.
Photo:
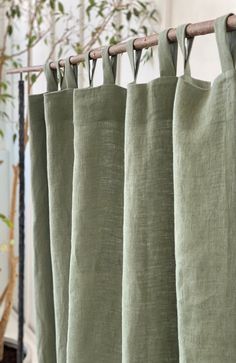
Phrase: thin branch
(99, 32)
(2, 297)
(17, 54)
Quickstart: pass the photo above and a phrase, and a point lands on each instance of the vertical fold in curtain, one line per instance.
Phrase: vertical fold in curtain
(149, 315)
(43, 282)
(95, 290)
(204, 147)
(60, 158)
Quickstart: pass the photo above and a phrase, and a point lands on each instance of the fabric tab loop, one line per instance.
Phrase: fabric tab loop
(109, 66)
(51, 77)
(60, 76)
(167, 54)
(186, 50)
(71, 74)
(226, 43)
(88, 67)
(134, 57)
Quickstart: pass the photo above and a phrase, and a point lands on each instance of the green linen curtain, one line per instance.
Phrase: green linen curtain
(52, 157)
(58, 106)
(149, 298)
(95, 287)
(134, 204)
(43, 282)
(204, 148)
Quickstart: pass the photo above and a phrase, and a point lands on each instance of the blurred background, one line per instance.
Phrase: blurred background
(33, 31)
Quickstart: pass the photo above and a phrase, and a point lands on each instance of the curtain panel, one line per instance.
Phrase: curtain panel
(134, 205)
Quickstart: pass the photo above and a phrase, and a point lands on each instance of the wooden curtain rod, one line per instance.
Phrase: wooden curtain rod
(192, 30)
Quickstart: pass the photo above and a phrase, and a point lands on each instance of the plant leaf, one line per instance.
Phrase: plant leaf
(9, 29)
(60, 7)
(6, 220)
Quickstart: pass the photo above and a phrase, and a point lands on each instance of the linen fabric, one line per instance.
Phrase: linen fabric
(58, 107)
(149, 300)
(134, 203)
(51, 125)
(43, 282)
(95, 289)
(204, 134)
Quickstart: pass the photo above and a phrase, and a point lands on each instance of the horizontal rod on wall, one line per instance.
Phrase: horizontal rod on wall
(203, 28)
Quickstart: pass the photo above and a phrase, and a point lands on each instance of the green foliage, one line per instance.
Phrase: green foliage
(3, 85)
(105, 22)
(116, 21)
(4, 247)
(52, 4)
(33, 78)
(6, 220)
(136, 12)
(14, 137)
(61, 7)
(9, 29)
(4, 97)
